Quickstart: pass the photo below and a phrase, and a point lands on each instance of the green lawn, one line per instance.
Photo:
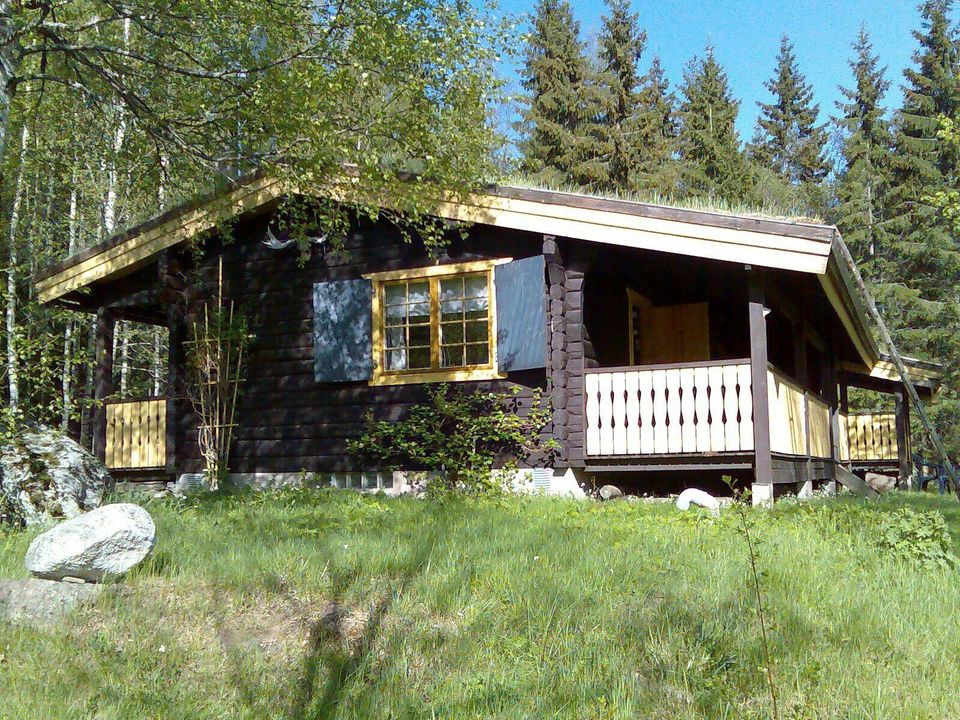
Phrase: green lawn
(331, 604)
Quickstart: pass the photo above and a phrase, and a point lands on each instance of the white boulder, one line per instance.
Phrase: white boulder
(693, 496)
(46, 476)
(107, 541)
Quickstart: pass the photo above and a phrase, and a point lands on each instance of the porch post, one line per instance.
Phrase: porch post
(903, 438)
(102, 380)
(171, 291)
(763, 462)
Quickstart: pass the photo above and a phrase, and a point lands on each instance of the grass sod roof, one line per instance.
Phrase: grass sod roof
(788, 240)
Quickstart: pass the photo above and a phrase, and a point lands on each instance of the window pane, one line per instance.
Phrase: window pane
(451, 310)
(396, 314)
(395, 294)
(418, 292)
(451, 333)
(419, 313)
(420, 335)
(451, 288)
(475, 286)
(477, 331)
(419, 358)
(451, 356)
(397, 360)
(478, 354)
(477, 307)
(395, 337)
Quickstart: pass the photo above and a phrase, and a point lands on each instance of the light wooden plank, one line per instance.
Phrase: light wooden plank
(661, 443)
(111, 440)
(731, 406)
(591, 387)
(618, 389)
(645, 384)
(745, 398)
(674, 428)
(717, 438)
(702, 407)
(604, 386)
(161, 432)
(688, 410)
(632, 384)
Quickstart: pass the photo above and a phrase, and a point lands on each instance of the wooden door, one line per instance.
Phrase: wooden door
(669, 334)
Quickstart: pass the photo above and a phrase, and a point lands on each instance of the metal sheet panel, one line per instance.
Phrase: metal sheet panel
(521, 314)
(342, 350)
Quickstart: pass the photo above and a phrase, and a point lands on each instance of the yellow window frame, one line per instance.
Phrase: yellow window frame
(433, 274)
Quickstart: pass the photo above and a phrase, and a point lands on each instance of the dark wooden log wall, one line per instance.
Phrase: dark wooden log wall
(288, 422)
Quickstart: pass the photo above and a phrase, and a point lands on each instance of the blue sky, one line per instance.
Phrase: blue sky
(746, 35)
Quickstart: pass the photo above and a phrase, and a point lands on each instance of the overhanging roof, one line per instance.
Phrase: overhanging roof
(800, 247)
(926, 376)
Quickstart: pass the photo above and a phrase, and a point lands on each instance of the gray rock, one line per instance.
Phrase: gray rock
(45, 476)
(609, 492)
(880, 483)
(42, 602)
(107, 541)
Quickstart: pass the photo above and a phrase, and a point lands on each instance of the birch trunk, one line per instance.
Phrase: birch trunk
(86, 416)
(8, 70)
(13, 369)
(123, 329)
(110, 200)
(66, 381)
(157, 364)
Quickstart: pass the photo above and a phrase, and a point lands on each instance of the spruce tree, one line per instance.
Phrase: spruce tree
(555, 74)
(789, 141)
(918, 270)
(655, 134)
(709, 146)
(621, 45)
(864, 180)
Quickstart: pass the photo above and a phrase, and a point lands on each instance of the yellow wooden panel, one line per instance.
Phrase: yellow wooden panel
(819, 419)
(161, 432)
(111, 441)
(788, 430)
(674, 334)
(692, 322)
(127, 455)
(136, 434)
(843, 442)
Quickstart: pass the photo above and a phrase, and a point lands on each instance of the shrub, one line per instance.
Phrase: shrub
(460, 436)
(920, 537)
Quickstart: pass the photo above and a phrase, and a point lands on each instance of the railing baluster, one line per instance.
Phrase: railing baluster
(632, 385)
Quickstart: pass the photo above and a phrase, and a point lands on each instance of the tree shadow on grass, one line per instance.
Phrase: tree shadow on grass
(332, 662)
(342, 667)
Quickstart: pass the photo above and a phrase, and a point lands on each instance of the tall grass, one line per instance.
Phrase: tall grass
(331, 604)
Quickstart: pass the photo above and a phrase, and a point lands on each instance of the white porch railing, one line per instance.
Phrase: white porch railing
(669, 409)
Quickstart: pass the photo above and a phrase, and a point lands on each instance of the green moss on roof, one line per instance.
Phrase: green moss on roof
(772, 211)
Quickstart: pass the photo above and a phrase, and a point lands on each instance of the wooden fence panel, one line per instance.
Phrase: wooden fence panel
(870, 437)
(136, 434)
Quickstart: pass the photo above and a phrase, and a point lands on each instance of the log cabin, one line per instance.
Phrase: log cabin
(675, 346)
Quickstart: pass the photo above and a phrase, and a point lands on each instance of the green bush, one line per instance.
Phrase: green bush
(920, 537)
(461, 436)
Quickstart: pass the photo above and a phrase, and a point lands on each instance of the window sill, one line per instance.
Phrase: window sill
(469, 375)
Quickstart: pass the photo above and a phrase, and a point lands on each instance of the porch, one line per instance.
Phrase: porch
(730, 370)
(705, 409)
